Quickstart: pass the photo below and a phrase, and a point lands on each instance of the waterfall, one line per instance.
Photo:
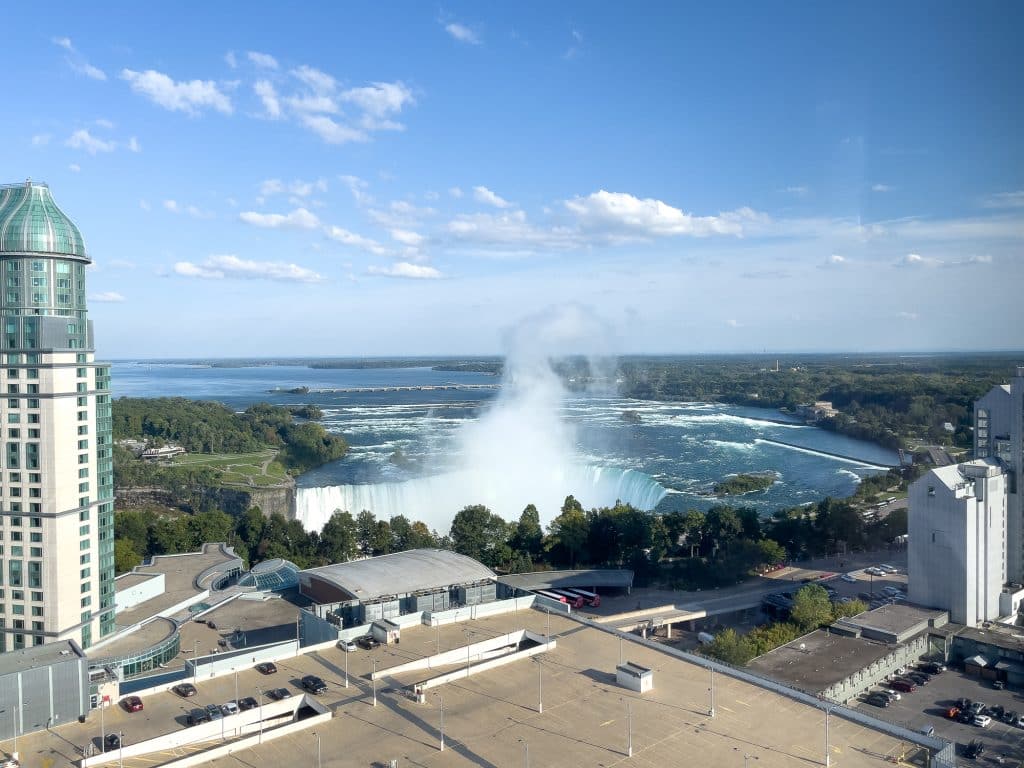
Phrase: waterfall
(435, 500)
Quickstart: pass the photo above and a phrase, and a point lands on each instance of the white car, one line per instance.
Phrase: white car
(888, 568)
(874, 571)
(849, 578)
(229, 708)
(982, 721)
(347, 645)
(894, 695)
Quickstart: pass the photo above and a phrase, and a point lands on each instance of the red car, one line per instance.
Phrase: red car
(132, 704)
(903, 685)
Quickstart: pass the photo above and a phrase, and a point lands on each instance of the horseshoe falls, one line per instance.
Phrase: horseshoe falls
(436, 499)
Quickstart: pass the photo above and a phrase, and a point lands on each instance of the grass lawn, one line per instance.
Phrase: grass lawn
(247, 469)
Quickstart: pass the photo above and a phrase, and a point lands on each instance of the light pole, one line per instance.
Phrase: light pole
(629, 731)
(120, 749)
(540, 688)
(620, 649)
(317, 735)
(828, 758)
(712, 712)
(437, 638)
(346, 669)
(195, 661)
(440, 698)
(260, 692)
(526, 754)
(373, 677)
(547, 625)
(236, 687)
(103, 729)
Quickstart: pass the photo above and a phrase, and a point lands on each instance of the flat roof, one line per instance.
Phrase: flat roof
(616, 578)
(401, 573)
(180, 574)
(131, 579)
(999, 637)
(149, 634)
(37, 656)
(894, 618)
(825, 659)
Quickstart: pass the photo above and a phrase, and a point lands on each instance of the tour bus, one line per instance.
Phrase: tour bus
(593, 599)
(576, 601)
(551, 595)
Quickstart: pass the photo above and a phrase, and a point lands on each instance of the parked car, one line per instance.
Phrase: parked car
(866, 596)
(279, 693)
(1020, 721)
(229, 708)
(211, 624)
(932, 667)
(113, 741)
(996, 711)
(888, 568)
(906, 686)
(369, 642)
(213, 712)
(197, 716)
(266, 668)
(9, 762)
(982, 721)
(185, 690)
(976, 707)
(963, 703)
(247, 703)
(952, 712)
(849, 578)
(965, 717)
(998, 685)
(132, 704)
(1010, 717)
(918, 677)
(346, 645)
(314, 684)
(874, 571)
(890, 591)
(974, 750)
(894, 695)
(878, 700)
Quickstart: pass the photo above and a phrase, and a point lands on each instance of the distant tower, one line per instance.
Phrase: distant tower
(56, 505)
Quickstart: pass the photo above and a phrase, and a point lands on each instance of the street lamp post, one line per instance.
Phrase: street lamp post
(712, 712)
(373, 677)
(346, 669)
(440, 699)
(260, 692)
(120, 749)
(828, 758)
(195, 661)
(540, 688)
(629, 731)
(103, 729)
(236, 687)
(526, 754)
(317, 735)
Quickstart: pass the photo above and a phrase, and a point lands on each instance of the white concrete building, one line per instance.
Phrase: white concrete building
(56, 490)
(957, 526)
(999, 434)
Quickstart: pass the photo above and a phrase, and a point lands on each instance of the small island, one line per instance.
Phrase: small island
(737, 485)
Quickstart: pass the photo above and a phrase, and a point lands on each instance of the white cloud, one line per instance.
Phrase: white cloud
(300, 218)
(271, 187)
(379, 99)
(231, 60)
(734, 323)
(262, 60)
(400, 214)
(357, 187)
(647, 217)
(904, 315)
(229, 266)
(1004, 200)
(407, 270)
(82, 139)
(330, 131)
(798, 190)
(916, 260)
(835, 261)
(194, 211)
(74, 168)
(312, 103)
(407, 237)
(268, 95)
(881, 188)
(574, 49)
(345, 237)
(41, 139)
(455, 192)
(190, 97)
(509, 229)
(980, 259)
(462, 33)
(172, 206)
(320, 82)
(63, 42)
(85, 68)
(483, 195)
(133, 145)
(106, 297)
(104, 123)
(297, 187)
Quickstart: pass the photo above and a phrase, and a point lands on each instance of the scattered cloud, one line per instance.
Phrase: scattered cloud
(133, 145)
(835, 261)
(407, 237)
(298, 187)
(1004, 200)
(63, 42)
(406, 270)
(400, 214)
(766, 274)
(229, 266)
(980, 259)
(41, 139)
(463, 33)
(455, 192)
(194, 211)
(799, 190)
(111, 297)
(121, 264)
(357, 187)
(345, 237)
(268, 95)
(190, 97)
(262, 60)
(574, 48)
(881, 188)
(904, 315)
(622, 213)
(231, 60)
(916, 261)
(487, 197)
(82, 139)
(300, 218)
(104, 123)
(319, 82)
(332, 131)
(734, 323)
(77, 61)
(74, 168)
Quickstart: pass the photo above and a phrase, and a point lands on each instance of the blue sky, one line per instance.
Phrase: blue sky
(406, 178)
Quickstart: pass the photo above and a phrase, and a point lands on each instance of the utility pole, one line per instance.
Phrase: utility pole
(540, 688)
(712, 712)
(120, 749)
(346, 669)
(317, 735)
(260, 692)
(195, 661)
(828, 757)
(236, 687)
(103, 729)
(297, 641)
(440, 698)
(629, 731)
(374, 678)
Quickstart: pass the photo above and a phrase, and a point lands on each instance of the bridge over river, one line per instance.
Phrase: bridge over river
(419, 388)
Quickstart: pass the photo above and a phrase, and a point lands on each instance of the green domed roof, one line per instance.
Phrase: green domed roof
(30, 222)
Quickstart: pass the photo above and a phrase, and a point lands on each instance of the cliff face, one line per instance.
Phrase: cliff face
(234, 500)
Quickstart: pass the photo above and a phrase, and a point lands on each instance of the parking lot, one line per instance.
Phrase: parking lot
(927, 705)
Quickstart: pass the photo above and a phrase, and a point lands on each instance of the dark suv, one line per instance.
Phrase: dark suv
(368, 642)
(197, 716)
(314, 684)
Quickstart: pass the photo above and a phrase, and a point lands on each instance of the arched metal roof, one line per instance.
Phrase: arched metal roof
(400, 573)
(31, 223)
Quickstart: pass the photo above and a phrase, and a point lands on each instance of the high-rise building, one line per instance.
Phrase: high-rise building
(56, 491)
(999, 434)
(956, 557)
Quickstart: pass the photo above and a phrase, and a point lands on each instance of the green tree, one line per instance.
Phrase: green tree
(811, 608)
(852, 608)
(366, 526)
(125, 556)
(338, 542)
(479, 534)
(730, 647)
(528, 537)
(568, 533)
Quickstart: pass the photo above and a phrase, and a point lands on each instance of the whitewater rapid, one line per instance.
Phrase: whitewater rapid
(435, 500)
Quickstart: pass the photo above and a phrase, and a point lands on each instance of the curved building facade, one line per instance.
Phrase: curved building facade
(56, 494)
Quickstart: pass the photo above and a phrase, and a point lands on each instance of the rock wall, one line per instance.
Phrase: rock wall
(235, 500)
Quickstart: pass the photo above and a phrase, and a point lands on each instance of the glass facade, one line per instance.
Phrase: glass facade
(143, 661)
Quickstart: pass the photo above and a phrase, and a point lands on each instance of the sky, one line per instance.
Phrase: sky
(405, 178)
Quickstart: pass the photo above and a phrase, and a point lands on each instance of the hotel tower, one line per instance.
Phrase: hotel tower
(56, 493)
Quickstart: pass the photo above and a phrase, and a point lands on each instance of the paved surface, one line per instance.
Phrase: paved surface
(926, 705)
(491, 719)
